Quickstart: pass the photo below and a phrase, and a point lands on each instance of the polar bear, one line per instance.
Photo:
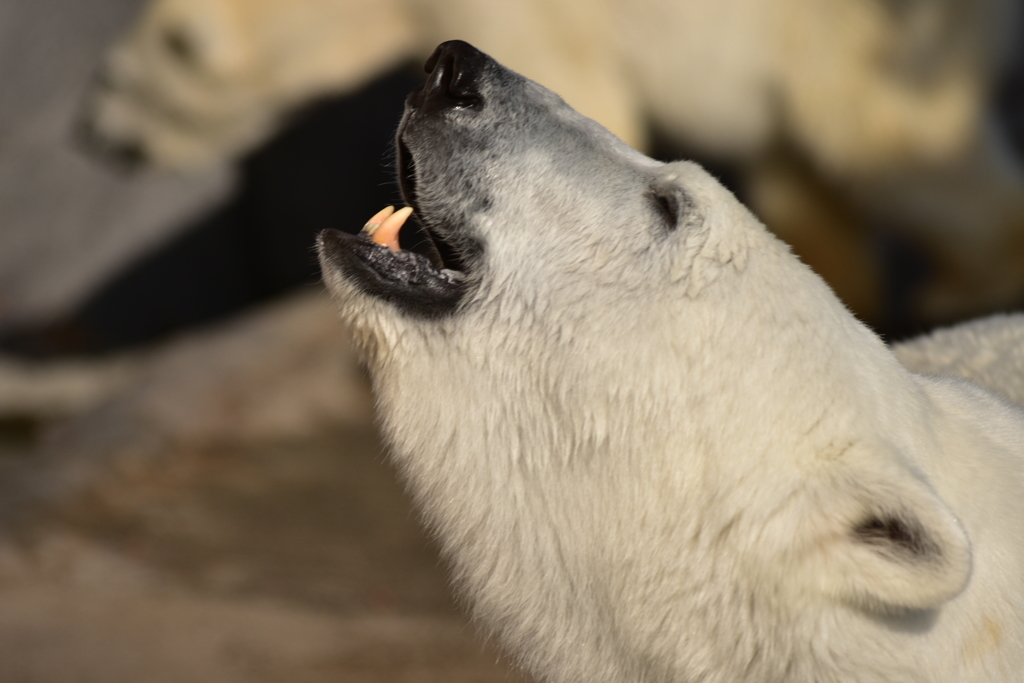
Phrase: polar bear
(842, 118)
(652, 444)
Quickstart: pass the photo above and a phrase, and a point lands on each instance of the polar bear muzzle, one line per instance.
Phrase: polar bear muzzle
(429, 279)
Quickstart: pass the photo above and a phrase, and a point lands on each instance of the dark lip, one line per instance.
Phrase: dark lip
(425, 279)
(406, 279)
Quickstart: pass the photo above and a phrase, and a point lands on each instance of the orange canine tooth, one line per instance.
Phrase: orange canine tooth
(387, 233)
(378, 218)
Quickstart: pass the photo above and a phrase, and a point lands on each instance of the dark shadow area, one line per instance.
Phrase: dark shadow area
(905, 268)
(331, 167)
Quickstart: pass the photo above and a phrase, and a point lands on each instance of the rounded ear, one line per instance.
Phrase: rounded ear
(890, 543)
(714, 226)
(674, 205)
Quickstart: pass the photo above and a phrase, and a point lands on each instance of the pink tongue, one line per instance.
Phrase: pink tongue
(383, 228)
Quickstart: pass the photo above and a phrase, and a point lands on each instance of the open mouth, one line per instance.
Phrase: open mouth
(421, 237)
(408, 265)
(425, 275)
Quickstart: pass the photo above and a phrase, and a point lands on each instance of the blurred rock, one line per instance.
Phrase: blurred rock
(295, 563)
(47, 391)
(54, 635)
(282, 371)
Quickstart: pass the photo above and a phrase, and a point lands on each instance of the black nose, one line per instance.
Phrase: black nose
(455, 69)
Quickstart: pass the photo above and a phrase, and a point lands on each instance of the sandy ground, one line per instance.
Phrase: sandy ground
(295, 561)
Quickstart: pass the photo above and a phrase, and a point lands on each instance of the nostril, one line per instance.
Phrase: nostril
(462, 83)
(453, 69)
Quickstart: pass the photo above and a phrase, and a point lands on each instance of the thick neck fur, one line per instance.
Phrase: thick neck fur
(525, 455)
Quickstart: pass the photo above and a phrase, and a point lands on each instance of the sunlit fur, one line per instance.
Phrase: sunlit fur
(667, 453)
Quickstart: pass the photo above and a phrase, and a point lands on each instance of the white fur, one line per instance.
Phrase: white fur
(989, 351)
(646, 453)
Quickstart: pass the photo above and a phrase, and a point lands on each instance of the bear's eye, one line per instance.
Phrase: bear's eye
(667, 206)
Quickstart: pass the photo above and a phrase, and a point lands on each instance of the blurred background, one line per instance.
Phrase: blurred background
(187, 457)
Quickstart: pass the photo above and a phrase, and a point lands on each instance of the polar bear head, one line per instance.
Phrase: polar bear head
(598, 356)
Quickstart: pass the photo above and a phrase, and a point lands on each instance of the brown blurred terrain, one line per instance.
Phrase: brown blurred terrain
(212, 542)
